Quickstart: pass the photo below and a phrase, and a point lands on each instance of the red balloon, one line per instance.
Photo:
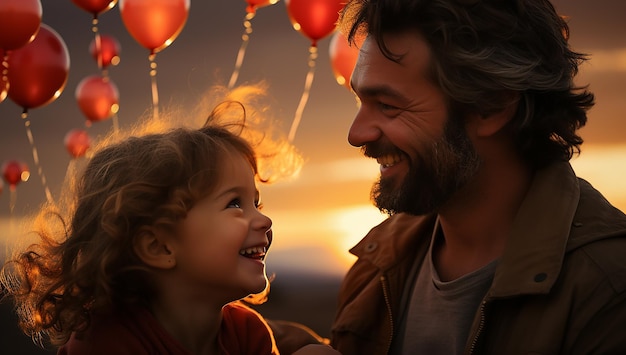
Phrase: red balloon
(19, 22)
(315, 19)
(255, 4)
(95, 7)
(77, 141)
(155, 24)
(13, 172)
(109, 50)
(38, 71)
(343, 57)
(97, 98)
(1, 187)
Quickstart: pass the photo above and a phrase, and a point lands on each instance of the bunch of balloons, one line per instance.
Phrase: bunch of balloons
(315, 19)
(343, 57)
(154, 24)
(97, 96)
(76, 142)
(35, 62)
(253, 5)
(14, 172)
(35, 58)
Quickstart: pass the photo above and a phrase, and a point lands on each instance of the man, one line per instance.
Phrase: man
(493, 245)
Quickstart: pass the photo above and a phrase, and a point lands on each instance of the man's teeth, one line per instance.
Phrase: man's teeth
(254, 251)
(389, 160)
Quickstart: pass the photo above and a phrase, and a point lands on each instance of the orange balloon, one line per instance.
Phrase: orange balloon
(97, 98)
(109, 50)
(255, 4)
(155, 24)
(95, 7)
(77, 141)
(343, 57)
(38, 71)
(19, 22)
(315, 19)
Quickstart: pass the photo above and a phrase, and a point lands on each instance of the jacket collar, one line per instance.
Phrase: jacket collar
(559, 214)
(557, 204)
(387, 243)
(532, 259)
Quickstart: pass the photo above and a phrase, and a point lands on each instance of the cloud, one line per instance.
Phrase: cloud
(336, 171)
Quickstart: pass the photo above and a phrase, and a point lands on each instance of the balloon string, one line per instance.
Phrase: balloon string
(98, 41)
(70, 171)
(13, 200)
(4, 79)
(155, 90)
(116, 125)
(305, 94)
(29, 134)
(242, 50)
(12, 203)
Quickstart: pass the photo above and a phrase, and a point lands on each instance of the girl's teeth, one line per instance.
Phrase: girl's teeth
(254, 250)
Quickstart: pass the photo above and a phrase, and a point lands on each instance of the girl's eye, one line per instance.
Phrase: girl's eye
(258, 205)
(234, 203)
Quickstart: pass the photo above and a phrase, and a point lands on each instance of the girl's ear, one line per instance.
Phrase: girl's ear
(486, 126)
(153, 247)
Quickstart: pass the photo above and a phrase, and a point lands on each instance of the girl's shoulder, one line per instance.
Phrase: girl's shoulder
(125, 332)
(245, 331)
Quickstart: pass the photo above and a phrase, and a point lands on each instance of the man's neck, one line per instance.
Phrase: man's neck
(477, 221)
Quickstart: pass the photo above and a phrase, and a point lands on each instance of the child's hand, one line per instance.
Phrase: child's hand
(316, 349)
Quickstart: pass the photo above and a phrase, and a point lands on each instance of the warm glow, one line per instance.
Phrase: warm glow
(25, 176)
(322, 233)
(319, 238)
(605, 168)
(352, 224)
(608, 60)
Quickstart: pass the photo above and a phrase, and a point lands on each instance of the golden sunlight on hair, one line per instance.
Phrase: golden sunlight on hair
(235, 108)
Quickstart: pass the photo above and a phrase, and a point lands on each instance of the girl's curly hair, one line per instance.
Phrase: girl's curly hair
(147, 180)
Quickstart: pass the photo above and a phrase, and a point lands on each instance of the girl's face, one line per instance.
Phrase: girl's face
(221, 244)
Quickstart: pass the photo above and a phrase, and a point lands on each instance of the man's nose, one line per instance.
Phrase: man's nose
(363, 129)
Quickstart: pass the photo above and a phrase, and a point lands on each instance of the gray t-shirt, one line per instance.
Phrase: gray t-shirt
(440, 314)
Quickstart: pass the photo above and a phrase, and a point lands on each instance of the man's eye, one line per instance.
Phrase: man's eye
(389, 110)
(386, 107)
(235, 203)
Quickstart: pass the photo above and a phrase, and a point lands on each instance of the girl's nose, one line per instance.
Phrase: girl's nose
(262, 222)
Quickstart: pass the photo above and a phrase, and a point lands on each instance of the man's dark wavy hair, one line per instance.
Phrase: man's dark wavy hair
(486, 54)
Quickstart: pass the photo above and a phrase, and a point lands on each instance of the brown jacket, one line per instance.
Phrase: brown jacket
(559, 288)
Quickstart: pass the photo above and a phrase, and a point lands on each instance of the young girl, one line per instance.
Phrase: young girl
(164, 236)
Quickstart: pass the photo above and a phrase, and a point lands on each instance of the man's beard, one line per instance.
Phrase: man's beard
(439, 172)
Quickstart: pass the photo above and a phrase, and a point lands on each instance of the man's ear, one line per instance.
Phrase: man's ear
(153, 247)
(493, 123)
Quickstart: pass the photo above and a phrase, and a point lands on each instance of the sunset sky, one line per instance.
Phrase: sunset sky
(320, 215)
